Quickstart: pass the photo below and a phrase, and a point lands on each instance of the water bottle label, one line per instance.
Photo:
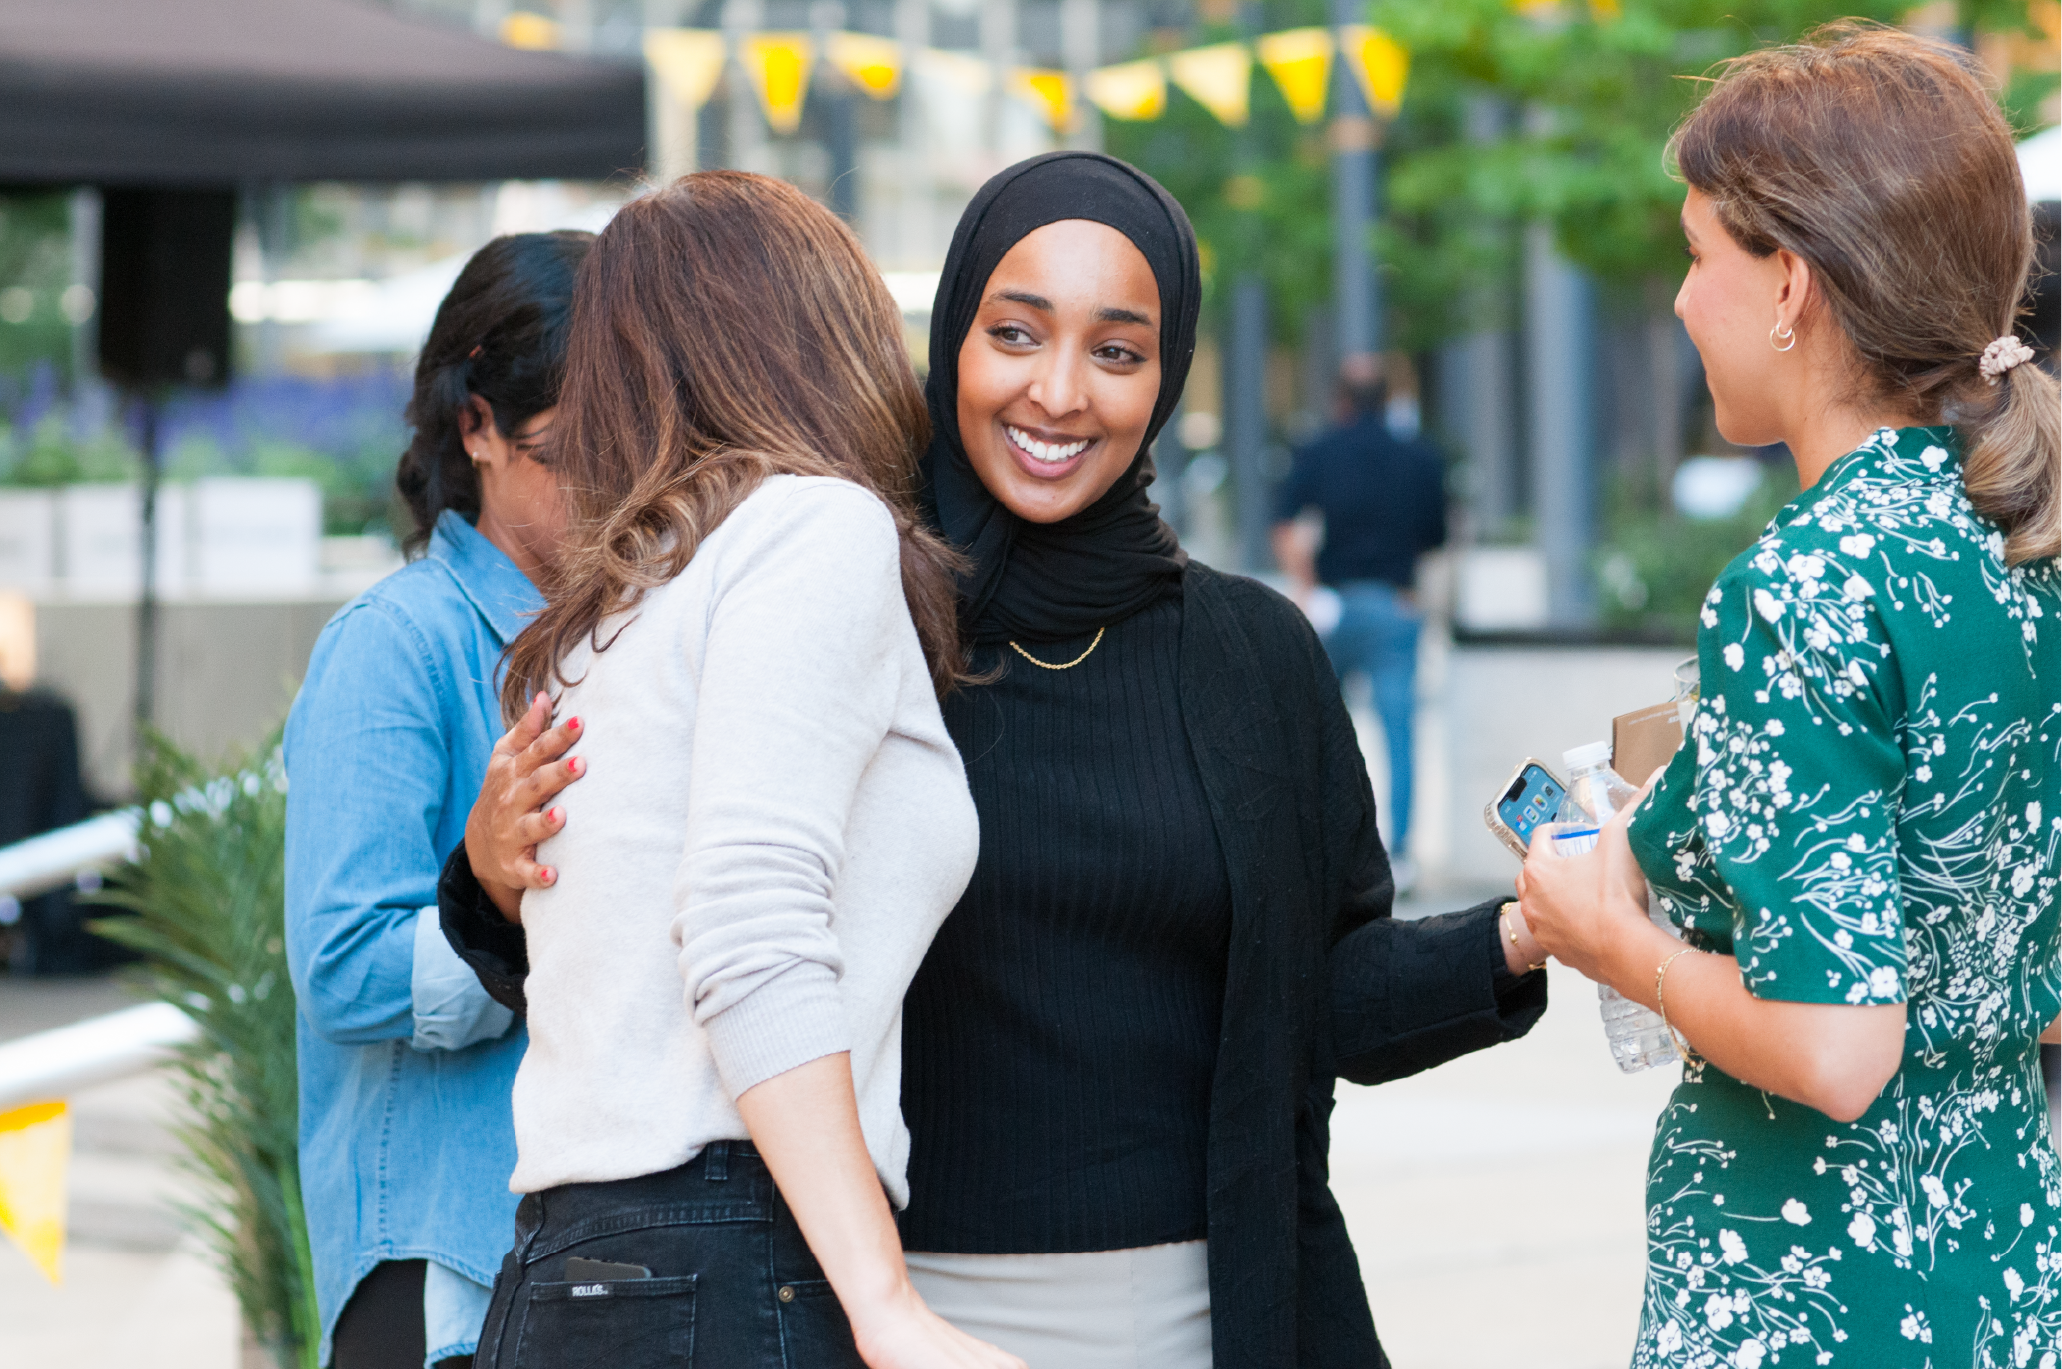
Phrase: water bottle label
(1574, 841)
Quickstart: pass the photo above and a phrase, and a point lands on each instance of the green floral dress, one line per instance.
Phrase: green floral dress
(1866, 811)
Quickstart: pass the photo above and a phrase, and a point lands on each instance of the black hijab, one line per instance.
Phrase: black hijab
(1045, 582)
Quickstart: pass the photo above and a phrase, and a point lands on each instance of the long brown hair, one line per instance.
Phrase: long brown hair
(1881, 160)
(725, 328)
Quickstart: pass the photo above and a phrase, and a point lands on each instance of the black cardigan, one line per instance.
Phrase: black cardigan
(1322, 982)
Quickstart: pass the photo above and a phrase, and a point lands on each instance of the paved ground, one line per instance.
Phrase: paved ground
(1495, 1204)
(137, 1290)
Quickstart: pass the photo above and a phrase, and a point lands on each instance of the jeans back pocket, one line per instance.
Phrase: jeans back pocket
(626, 1324)
(814, 1331)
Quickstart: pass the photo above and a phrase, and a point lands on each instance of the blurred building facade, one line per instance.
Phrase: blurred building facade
(900, 168)
(1564, 398)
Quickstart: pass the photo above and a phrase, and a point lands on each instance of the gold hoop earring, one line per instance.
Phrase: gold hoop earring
(1779, 331)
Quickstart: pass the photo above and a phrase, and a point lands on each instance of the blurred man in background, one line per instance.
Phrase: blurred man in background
(1382, 500)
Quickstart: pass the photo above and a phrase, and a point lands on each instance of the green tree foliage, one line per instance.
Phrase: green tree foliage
(208, 896)
(1259, 197)
(1560, 113)
(35, 260)
(1652, 571)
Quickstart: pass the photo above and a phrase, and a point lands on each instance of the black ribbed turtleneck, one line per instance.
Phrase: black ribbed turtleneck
(1061, 1034)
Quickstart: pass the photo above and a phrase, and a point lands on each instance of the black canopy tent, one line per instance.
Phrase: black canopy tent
(170, 106)
(219, 92)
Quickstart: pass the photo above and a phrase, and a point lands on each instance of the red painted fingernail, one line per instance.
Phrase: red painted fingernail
(551, 876)
(557, 815)
(572, 724)
(578, 766)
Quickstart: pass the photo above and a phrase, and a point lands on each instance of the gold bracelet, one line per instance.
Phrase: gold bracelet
(1503, 916)
(1682, 1052)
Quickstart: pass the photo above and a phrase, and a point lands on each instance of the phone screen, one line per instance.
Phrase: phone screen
(1533, 798)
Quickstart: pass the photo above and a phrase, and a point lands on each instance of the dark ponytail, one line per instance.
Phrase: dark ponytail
(500, 334)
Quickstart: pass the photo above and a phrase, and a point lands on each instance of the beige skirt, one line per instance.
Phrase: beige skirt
(1147, 1308)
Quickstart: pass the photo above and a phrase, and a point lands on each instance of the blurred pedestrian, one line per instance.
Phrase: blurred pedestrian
(1860, 837)
(44, 934)
(405, 1063)
(747, 630)
(1382, 499)
(1120, 1050)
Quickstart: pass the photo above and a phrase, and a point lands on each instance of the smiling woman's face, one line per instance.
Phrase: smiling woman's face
(1060, 371)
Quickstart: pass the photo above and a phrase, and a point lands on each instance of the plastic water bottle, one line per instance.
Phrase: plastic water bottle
(1596, 792)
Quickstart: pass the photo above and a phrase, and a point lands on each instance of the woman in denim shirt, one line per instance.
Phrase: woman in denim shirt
(405, 1064)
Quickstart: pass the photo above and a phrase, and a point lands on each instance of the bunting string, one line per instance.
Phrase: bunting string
(1218, 76)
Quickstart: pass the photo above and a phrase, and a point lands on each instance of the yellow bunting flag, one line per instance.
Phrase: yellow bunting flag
(778, 65)
(1548, 11)
(1219, 78)
(1300, 60)
(872, 63)
(687, 62)
(1129, 90)
(35, 1147)
(526, 30)
(1050, 92)
(1379, 62)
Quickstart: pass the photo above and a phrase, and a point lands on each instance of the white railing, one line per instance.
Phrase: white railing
(55, 1064)
(58, 858)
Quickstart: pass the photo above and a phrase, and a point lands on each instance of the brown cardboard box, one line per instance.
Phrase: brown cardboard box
(1645, 740)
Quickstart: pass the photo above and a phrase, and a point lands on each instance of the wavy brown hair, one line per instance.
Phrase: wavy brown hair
(1880, 159)
(725, 328)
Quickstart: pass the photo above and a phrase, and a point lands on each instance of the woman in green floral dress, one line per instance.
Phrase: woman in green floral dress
(1861, 837)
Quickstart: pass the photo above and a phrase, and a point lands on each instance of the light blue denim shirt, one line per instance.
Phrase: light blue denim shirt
(406, 1144)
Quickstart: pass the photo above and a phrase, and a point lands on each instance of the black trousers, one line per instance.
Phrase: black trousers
(381, 1326)
(732, 1284)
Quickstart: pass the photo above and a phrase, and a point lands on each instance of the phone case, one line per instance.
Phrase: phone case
(1494, 820)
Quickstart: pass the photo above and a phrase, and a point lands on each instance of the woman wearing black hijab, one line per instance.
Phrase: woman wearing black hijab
(1119, 1053)
(1124, 1038)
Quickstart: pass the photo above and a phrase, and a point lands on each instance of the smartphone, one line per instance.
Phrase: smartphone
(582, 1270)
(1531, 796)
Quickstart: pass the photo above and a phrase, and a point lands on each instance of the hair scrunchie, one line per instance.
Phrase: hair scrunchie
(2001, 356)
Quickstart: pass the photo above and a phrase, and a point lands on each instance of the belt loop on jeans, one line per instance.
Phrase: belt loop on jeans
(716, 1168)
(529, 1221)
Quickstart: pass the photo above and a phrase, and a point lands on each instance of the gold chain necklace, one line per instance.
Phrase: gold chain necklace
(1048, 665)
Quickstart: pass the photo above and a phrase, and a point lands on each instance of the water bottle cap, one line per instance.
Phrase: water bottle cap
(1587, 757)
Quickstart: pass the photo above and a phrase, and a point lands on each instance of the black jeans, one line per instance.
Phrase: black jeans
(732, 1284)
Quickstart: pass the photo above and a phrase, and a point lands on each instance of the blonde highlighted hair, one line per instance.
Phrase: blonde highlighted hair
(725, 328)
(1880, 158)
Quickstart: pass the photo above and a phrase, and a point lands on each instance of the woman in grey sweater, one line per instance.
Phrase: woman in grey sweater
(745, 609)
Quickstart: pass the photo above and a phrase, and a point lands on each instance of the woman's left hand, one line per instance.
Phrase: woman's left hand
(1579, 906)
